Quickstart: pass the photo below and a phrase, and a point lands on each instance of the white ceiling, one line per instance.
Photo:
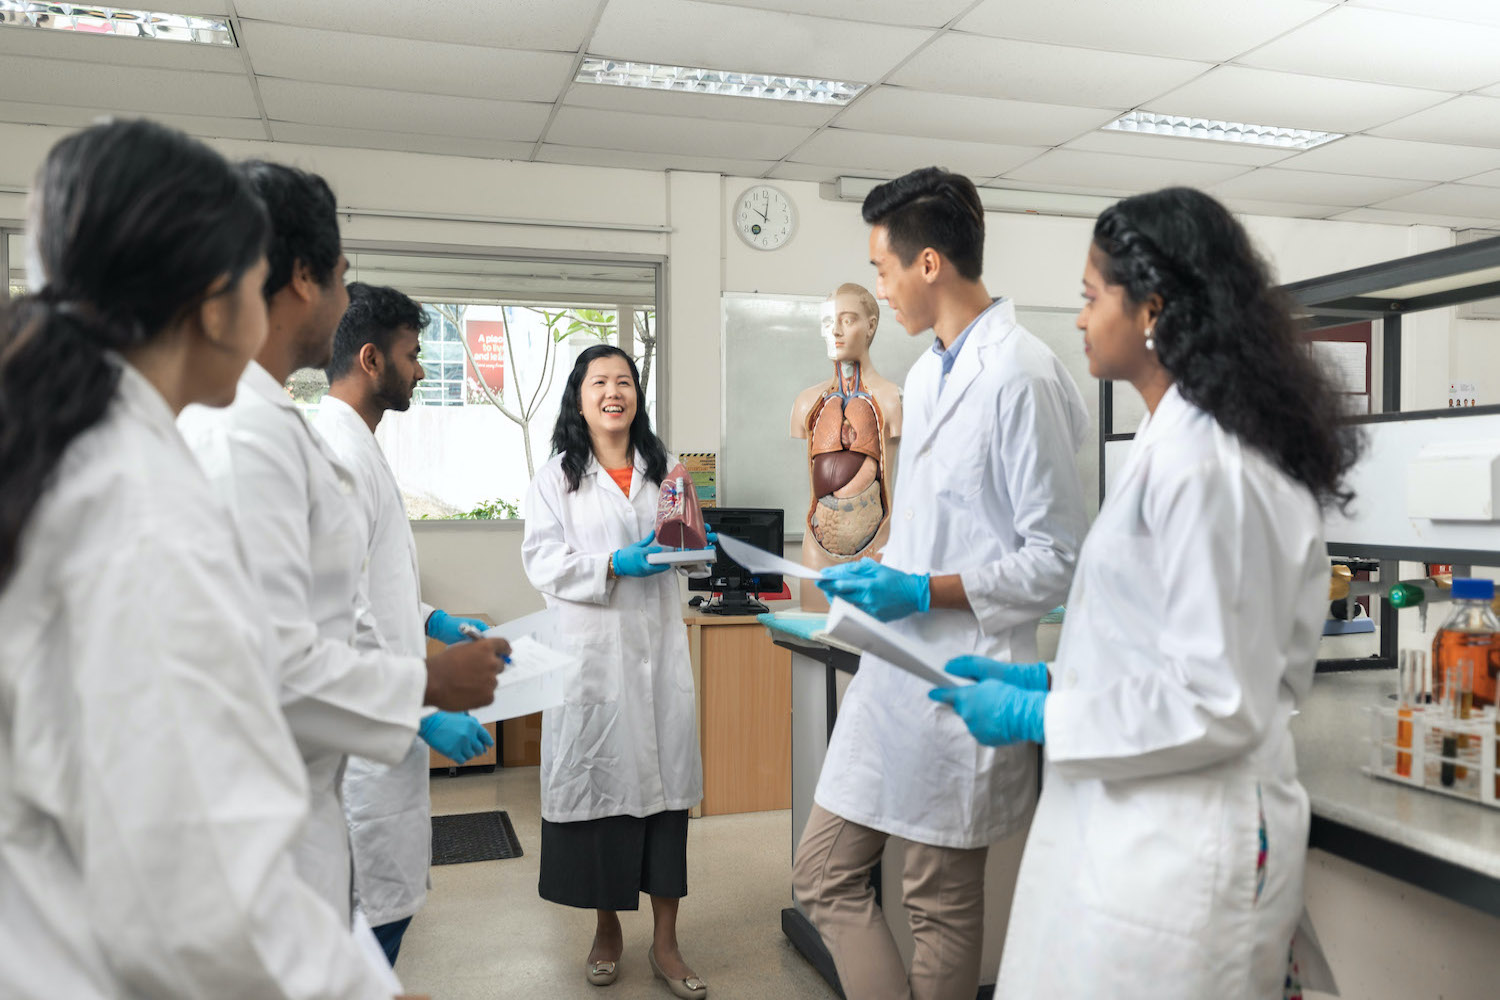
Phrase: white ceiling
(1011, 92)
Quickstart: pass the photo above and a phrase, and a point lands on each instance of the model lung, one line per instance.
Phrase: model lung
(846, 452)
(679, 518)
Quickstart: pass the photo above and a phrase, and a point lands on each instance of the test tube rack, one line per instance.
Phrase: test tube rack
(1468, 773)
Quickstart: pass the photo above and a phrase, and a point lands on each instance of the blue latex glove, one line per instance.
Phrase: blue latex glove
(444, 627)
(456, 735)
(996, 713)
(1026, 676)
(631, 560)
(876, 589)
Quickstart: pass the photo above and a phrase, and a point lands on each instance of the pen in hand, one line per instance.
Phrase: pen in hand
(473, 634)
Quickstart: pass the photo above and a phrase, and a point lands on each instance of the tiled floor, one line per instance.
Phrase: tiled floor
(484, 932)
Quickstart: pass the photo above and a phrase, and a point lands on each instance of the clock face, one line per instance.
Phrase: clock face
(764, 217)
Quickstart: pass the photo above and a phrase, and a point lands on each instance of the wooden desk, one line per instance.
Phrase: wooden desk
(744, 686)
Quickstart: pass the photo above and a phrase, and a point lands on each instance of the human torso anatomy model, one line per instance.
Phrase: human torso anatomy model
(849, 422)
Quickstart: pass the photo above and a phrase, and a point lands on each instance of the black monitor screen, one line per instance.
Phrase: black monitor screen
(758, 526)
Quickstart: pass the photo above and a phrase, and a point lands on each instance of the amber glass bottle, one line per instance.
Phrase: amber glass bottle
(1469, 637)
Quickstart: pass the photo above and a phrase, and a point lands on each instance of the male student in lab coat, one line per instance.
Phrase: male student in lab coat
(987, 520)
(375, 368)
(342, 690)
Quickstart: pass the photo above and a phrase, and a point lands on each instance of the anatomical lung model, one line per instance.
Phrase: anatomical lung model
(849, 421)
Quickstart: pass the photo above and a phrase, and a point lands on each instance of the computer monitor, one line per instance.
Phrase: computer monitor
(758, 526)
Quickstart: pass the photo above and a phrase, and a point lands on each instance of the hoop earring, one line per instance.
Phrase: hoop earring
(1150, 340)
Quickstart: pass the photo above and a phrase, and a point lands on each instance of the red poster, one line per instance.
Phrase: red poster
(486, 339)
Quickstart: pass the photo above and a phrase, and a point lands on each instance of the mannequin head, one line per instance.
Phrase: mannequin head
(849, 318)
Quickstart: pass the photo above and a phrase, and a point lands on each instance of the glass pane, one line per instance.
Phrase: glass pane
(15, 255)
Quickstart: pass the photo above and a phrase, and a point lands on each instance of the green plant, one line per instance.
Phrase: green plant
(496, 509)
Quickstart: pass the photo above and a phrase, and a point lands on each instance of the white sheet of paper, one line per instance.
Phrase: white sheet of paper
(760, 561)
(869, 634)
(535, 679)
(538, 623)
(369, 946)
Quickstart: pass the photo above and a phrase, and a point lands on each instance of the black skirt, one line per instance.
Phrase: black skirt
(606, 863)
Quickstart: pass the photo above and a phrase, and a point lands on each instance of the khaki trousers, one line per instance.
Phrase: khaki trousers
(942, 889)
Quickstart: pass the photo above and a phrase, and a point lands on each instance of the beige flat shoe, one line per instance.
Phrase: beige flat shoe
(603, 973)
(691, 988)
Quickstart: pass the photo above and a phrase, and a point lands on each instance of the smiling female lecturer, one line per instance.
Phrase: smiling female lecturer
(620, 762)
(1167, 852)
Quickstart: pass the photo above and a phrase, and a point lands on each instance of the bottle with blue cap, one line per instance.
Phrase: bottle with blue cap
(1467, 646)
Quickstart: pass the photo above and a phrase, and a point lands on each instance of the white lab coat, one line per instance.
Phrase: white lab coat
(1191, 635)
(343, 692)
(150, 790)
(987, 489)
(625, 743)
(389, 809)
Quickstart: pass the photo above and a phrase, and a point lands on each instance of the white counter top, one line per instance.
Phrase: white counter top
(1330, 733)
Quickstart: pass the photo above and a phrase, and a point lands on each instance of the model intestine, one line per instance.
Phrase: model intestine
(846, 449)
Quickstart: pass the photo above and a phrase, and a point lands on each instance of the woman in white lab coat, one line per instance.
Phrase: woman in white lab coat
(150, 790)
(1166, 856)
(620, 761)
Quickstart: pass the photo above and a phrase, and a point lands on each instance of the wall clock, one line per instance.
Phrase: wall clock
(764, 217)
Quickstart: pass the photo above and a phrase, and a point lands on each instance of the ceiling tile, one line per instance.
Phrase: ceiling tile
(714, 106)
(1386, 47)
(405, 64)
(1491, 179)
(70, 117)
(927, 14)
(898, 111)
(1051, 74)
(1281, 209)
(903, 153)
(661, 134)
(1466, 200)
(823, 174)
(120, 51)
(1463, 121)
(1264, 97)
(1112, 172)
(1276, 184)
(1476, 11)
(126, 88)
(1198, 30)
(357, 138)
(590, 157)
(1375, 157)
(425, 114)
(716, 36)
(1387, 218)
(1096, 190)
(1174, 147)
(515, 24)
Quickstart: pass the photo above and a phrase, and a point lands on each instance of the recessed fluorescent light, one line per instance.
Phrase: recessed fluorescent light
(1205, 128)
(1082, 206)
(687, 79)
(117, 21)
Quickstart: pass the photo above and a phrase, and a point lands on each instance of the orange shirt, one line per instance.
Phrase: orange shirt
(622, 478)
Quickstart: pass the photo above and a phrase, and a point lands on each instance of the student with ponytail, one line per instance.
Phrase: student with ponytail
(149, 786)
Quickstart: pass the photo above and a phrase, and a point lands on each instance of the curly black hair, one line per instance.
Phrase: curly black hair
(1226, 335)
(375, 314)
(570, 435)
(304, 222)
(931, 207)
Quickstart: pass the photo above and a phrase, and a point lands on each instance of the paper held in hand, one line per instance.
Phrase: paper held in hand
(760, 561)
(850, 625)
(536, 677)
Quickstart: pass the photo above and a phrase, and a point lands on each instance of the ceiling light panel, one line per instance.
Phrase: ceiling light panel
(1385, 47)
(1239, 93)
(682, 33)
(1198, 30)
(1174, 148)
(900, 111)
(1208, 129)
(723, 83)
(1049, 74)
(120, 21)
(684, 105)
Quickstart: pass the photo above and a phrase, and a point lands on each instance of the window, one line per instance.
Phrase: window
(503, 335)
(13, 261)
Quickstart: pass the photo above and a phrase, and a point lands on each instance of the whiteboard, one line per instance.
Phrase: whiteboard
(772, 349)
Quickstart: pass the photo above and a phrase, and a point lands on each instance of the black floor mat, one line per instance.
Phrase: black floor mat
(486, 836)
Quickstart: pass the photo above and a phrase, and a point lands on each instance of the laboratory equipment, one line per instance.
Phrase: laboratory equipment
(1470, 636)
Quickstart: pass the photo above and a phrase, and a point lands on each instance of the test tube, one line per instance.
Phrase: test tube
(1408, 673)
(1449, 751)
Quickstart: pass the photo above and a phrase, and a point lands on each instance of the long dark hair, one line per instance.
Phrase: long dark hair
(1225, 333)
(132, 223)
(570, 437)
